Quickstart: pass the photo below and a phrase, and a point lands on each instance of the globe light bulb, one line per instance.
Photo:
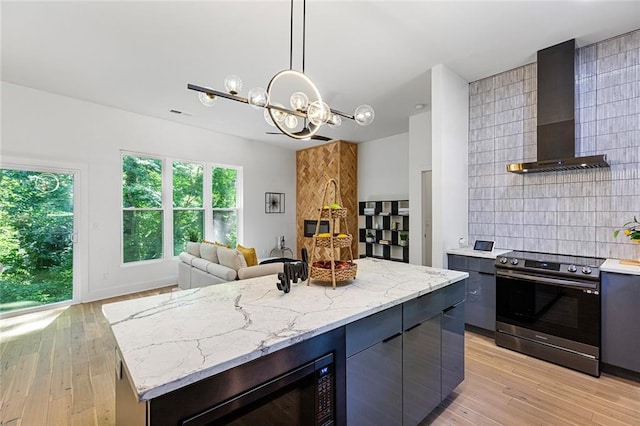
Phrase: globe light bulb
(232, 84)
(364, 115)
(207, 99)
(318, 112)
(291, 121)
(278, 115)
(268, 119)
(299, 101)
(258, 97)
(335, 120)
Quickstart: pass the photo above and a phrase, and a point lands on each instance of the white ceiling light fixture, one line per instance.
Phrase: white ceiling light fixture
(307, 111)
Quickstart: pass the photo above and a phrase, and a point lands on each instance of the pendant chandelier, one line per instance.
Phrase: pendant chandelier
(306, 111)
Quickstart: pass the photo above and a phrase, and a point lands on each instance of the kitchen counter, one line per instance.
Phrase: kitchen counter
(170, 340)
(614, 265)
(469, 251)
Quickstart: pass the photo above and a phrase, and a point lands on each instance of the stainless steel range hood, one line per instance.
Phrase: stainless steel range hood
(556, 139)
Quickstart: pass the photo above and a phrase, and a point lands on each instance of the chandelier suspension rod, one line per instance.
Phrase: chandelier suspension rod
(291, 37)
(304, 30)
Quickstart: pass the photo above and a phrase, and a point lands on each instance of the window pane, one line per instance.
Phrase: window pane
(141, 182)
(187, 185)
(225, 227)
(142, 235)
(188, 225)
(223, 187)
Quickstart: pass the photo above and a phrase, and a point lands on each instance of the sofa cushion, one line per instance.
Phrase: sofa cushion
(200, 263)
(209, 251)
(187, 258)
(193, 249)
(231, 258)
(223, 272)
(260, 270)
(249, 254)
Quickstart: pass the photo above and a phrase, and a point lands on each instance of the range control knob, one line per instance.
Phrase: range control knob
(503, 260)
(572, 268)
(586, 270)
(514, 261)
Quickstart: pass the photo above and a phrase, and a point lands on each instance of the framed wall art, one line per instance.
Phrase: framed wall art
(274, 202)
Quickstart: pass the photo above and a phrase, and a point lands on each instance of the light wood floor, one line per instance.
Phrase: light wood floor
(63, 374)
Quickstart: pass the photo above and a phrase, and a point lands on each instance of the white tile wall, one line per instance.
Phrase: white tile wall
(572, 212)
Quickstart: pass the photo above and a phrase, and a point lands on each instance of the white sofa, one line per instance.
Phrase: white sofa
(205, 264)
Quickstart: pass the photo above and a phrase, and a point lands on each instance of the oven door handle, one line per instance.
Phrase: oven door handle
(547, 280)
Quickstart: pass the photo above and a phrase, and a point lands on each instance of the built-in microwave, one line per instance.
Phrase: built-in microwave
(302, 396)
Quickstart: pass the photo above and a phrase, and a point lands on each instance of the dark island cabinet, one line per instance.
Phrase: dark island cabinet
(453, 347)
(422, 357)
(621, 321)
(404, 361)
(480, 306)
(374, 369)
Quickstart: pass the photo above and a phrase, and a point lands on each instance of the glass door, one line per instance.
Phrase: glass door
(36, 238)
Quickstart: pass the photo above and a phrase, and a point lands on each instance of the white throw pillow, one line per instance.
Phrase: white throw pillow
(209, 252)
(193, 248)
(231, 258)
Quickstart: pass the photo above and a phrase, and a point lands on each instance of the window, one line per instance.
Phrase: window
(141, 208)
(223, 202)
(200, 201)
(188, 206)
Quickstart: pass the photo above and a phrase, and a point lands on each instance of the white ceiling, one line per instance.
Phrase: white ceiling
(139, 56)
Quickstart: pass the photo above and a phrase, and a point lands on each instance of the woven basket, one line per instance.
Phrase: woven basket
(337, 242)
(345, 274)
(332, 213)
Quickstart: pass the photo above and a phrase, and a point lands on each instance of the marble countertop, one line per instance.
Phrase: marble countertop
(614, 265)
(469, 251)
(174, 339)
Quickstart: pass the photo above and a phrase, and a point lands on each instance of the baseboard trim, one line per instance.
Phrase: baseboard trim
(479, 330)
(620, 372)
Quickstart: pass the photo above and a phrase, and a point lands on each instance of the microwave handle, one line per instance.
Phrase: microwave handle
(547, 280)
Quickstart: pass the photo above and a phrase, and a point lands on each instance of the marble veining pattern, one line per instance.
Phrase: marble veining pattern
(170, 340)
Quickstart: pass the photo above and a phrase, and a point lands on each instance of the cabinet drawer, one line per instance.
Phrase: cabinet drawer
(482, 265)
(458, 263)
(454, 293)
(424, 307)
(373, 329)
(468, 263)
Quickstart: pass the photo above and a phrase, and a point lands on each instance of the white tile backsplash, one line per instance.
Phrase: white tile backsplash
(572, 212)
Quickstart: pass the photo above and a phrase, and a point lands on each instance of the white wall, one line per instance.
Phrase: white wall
(450, 121)
(48, 129)
(419, 161)
(382, 173)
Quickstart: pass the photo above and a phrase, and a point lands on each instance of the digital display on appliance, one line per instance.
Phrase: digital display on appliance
(552, 266)
(483, 245)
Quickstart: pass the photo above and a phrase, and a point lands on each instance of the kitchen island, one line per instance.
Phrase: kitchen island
(175, 344)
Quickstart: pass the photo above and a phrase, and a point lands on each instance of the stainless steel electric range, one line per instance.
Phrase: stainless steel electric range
(548, 306)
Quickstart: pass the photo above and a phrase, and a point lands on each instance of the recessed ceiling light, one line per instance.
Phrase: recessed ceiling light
(420, 106)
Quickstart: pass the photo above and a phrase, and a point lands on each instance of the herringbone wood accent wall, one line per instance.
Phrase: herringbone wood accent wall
(316, 165)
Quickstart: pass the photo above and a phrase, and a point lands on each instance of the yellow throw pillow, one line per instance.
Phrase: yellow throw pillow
(216, 243)
(249, 254)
